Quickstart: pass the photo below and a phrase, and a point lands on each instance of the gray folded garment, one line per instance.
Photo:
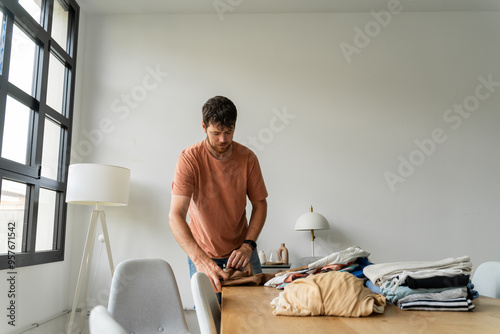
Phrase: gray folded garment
(444, 295)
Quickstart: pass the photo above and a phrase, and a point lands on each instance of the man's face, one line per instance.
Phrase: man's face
(219, 138)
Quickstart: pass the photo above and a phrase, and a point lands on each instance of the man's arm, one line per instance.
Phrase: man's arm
(177, 220)
(240, 257)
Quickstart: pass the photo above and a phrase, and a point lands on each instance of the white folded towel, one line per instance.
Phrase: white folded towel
(343, 257)
(382, 272)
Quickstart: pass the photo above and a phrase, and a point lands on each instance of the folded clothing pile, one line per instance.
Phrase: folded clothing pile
(331, 286)
(333, 294)
(352, 260)
(442, 285)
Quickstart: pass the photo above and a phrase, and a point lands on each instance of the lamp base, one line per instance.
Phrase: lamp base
(85, 266)
(312, 242)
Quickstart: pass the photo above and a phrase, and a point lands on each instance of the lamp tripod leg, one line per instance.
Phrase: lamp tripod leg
(87, 276)
(84, 266)
(106, 240)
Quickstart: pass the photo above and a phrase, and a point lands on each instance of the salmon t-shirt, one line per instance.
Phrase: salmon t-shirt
(218, 191)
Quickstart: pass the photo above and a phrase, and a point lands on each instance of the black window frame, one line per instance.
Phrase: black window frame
(31, 173)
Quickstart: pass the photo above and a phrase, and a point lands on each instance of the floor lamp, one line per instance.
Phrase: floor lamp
(311, 221)
(98, 185)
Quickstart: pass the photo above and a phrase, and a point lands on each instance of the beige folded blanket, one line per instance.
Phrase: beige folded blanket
(333, 293)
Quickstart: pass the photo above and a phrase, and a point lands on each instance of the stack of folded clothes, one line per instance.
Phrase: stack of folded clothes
(332, 286)
(332, 293)
(424, 285)
(352, 260)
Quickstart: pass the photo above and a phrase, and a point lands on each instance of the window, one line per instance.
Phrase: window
(38, 44)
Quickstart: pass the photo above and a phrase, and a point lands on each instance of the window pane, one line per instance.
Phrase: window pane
(3, 28)
(60, 24)
(16, 131)
(56, 84)
(50, 152)
(22, 61)
(31, 131)
(45, 221)
(33, 7)
(12, 204)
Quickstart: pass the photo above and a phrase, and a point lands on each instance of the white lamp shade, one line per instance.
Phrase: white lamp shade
(311, 221)
(96, 184)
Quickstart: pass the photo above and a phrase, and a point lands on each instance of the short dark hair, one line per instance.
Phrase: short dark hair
(219, 111)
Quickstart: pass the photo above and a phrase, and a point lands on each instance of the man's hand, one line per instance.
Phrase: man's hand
(240, 257)
(213, 271)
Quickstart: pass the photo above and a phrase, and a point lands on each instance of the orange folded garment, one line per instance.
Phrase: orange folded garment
(245, 277)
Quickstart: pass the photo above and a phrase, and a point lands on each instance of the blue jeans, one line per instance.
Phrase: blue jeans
(254, 261)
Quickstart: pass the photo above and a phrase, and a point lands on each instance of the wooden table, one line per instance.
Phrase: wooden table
(247, 309)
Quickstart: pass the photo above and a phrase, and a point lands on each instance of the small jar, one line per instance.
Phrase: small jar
(262, 257)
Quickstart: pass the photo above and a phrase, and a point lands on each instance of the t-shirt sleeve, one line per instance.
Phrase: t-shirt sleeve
(256, 190)
(184, 177)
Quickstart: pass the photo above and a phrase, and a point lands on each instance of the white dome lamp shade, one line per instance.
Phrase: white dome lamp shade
(311, 221)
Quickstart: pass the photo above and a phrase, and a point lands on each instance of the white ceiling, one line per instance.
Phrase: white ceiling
(278, 6)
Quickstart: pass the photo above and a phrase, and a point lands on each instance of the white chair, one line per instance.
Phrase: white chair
(101, 322)
(486, 279)
(144, 298)
(206, 303)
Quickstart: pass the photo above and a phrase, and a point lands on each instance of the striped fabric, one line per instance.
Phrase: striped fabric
(456, 304)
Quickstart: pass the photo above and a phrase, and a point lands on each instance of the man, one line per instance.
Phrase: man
(212, 180)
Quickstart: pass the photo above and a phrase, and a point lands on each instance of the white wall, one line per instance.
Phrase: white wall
(348, 124)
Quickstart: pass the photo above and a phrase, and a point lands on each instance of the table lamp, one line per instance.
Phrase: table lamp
(99, 185)
(311, 221)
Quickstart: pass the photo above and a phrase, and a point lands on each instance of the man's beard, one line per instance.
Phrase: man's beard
(217, 149)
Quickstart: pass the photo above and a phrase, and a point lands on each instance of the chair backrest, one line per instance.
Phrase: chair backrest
(206, 303)
(486, 279)
(101, 322)
(144, 297)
